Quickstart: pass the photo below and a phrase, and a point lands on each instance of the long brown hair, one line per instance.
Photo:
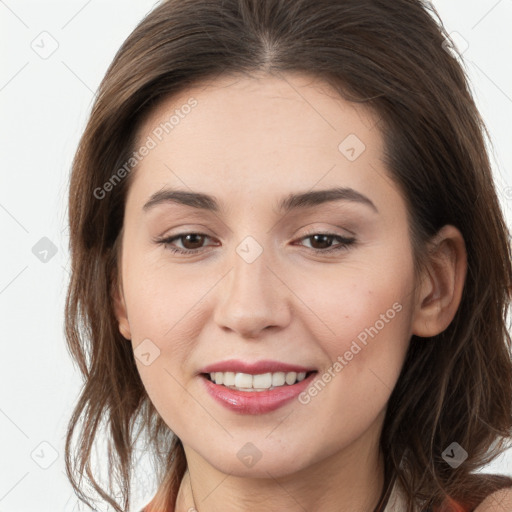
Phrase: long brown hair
(393, 56)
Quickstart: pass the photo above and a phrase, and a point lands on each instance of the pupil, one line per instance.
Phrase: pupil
(194, 236)
(325, 237)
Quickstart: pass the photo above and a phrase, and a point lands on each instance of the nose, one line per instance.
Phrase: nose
(253, 298)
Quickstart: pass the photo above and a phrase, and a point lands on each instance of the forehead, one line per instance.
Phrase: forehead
(235, 101)
(259, 133)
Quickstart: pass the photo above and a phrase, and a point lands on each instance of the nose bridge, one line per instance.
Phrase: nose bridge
(252, 298)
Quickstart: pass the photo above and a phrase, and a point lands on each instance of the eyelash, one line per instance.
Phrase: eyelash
(343, 245)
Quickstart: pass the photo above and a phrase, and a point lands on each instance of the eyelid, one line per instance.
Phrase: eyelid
(308, 232)
(327, 231)
(343, 244)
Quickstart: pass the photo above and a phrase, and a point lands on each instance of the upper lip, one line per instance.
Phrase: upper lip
(254, 368)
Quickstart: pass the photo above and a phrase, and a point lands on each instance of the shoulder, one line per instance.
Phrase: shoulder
(493, 493)
(498, 501)
(481, 492)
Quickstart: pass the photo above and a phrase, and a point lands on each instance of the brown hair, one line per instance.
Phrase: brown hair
(391, 55)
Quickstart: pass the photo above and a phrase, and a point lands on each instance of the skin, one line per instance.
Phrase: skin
(249, 142)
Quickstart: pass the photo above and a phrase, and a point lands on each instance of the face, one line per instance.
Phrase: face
(325, 285)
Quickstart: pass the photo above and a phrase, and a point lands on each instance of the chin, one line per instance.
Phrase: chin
(259, 459)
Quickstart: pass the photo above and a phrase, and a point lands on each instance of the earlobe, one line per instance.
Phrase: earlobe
(442, 283)
(121, 312)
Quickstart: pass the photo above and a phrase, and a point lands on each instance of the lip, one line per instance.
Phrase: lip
(255, 368)
(255, 402)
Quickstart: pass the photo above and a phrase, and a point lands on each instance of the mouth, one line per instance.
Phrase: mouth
(256, 393)
(261, 382)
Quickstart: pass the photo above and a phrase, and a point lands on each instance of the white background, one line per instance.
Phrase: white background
(44, 106)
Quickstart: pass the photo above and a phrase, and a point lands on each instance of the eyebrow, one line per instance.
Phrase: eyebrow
(291, 202)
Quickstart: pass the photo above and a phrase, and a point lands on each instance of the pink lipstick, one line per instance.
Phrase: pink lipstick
(257, 387)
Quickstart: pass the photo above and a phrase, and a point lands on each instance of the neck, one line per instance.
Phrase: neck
(351, 480)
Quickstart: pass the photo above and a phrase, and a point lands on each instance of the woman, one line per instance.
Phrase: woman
(290, 271)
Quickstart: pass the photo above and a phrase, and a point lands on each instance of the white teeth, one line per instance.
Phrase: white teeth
(278, 379)
(242, 380)
(229, 379)
(291, 377)
(260, 382)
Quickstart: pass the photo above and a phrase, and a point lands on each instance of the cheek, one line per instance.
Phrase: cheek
(163, 300)
(365, 329)
(360, 302)
(164, 307)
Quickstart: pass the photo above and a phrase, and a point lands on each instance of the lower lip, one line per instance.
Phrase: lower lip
(256, 402)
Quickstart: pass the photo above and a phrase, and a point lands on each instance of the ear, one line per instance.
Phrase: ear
(120, 310)
(440, 290)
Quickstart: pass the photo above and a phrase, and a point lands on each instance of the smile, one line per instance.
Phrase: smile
(256, 400)
(259, 382)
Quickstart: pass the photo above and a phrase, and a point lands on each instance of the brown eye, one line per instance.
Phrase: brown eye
(323, 242)
(190, 242)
